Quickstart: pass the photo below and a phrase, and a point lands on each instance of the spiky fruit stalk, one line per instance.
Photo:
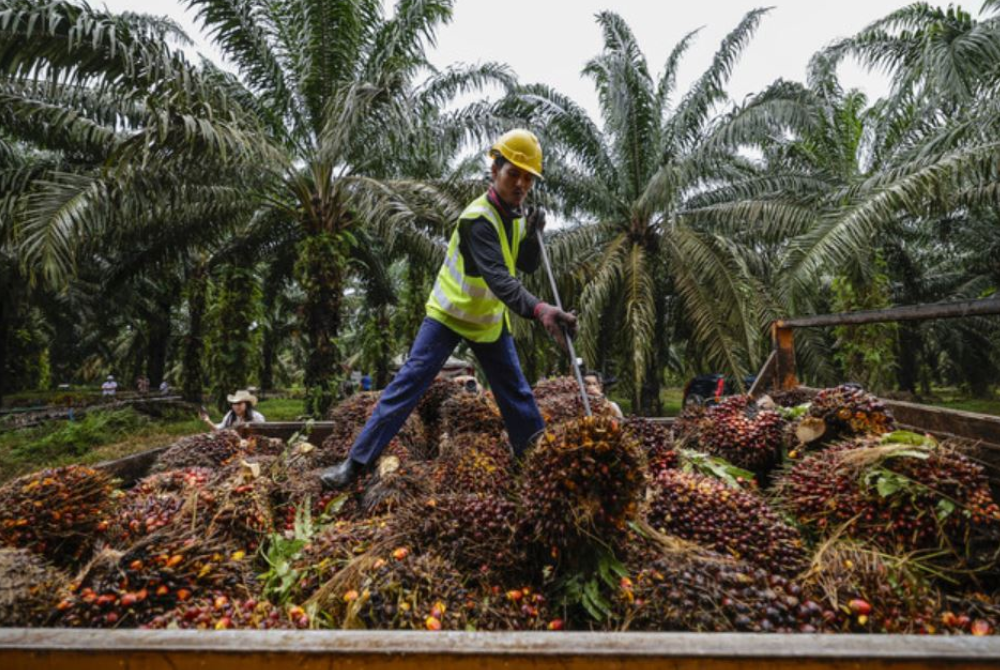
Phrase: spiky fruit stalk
(29, 588)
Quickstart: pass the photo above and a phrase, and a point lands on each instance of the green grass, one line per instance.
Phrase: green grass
(954, 399)
(670, 397)
(97, 436)
(282, 409)
(106, 435)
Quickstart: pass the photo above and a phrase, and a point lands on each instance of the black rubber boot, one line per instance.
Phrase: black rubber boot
(341, 475)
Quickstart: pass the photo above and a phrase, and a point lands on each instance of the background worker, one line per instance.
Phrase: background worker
(595, 387)
(474, 290)
(241, 410)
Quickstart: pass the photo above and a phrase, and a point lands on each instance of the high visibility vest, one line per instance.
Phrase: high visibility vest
(463, 303)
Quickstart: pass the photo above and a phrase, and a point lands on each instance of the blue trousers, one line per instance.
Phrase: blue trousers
(431, 349)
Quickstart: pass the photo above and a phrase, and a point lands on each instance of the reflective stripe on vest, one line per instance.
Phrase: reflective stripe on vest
(463, 303)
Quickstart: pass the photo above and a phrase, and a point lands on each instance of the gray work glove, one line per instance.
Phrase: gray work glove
(556, 322)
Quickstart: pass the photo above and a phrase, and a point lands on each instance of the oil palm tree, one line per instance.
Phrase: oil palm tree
(328, 93)
(657, 189)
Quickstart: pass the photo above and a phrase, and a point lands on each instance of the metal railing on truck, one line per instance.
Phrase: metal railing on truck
(780, 368)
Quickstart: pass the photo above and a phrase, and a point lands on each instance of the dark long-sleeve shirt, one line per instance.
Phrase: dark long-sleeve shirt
(483, 257)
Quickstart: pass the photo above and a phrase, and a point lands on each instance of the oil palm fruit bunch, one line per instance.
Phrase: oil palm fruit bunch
(57, 512)
(473, 463)
(581, 481)
(467, 412)
(902, 492)
(705, 593)
(258, 445)
(478, 534)
(559, 401)
(522, 607)
(850, 410)
(182, 480)
(742, 433)
(792, 397)
(728, 520)
(656, 440)
(222, 612)
(690, 423)
(394, 484)
(154, 502)
(29, 588)
(207, 450)
(138, 514)
(238, 509)
(408, 591)
(332, 549)
(171, 566)
(429, 410)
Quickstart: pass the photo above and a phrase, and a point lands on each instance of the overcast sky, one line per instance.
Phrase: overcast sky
(549, 41)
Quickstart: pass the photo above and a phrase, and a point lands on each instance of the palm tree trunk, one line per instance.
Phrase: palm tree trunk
(234, 353)
(384, 348)
(159, 341)
(193, 343)
(321, 273)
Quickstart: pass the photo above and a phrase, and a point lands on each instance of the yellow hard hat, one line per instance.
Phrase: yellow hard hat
(521, 148)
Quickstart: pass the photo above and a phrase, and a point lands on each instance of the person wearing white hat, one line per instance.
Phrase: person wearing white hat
(241, 411)
(109, 387)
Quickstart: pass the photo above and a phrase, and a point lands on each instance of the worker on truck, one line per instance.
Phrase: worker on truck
(476, 286)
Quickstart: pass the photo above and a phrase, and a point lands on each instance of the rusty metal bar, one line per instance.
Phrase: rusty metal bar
(784, 362)
(49, 649)
(938, 310)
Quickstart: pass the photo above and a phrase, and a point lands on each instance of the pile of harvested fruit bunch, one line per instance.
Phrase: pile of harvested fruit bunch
(850, 410)
(166, 568)
(900, 493)
(729, 520)
(738, 430)
(602, 525)
(59, 513)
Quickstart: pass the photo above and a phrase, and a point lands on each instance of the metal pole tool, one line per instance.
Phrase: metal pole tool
(569, 342)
